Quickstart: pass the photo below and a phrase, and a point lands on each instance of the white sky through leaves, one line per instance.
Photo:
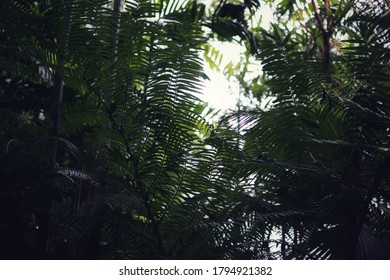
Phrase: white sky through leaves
(219, 92)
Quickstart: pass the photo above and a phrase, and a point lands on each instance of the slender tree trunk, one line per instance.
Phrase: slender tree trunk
(58, 85)
(283, 244)
(96, 219)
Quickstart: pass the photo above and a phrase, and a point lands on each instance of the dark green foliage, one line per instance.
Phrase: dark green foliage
(132, 177)
(320, 153)
(131, 170)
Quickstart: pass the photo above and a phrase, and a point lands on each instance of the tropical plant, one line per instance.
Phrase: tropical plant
(102, 135)
(105, 151)
(319, 153)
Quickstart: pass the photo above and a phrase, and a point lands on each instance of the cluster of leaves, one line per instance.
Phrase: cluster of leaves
(102, 150)
(319, 154)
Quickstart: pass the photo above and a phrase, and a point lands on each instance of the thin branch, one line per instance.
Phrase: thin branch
(325, 34)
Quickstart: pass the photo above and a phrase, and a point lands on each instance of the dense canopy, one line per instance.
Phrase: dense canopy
(106, 151)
